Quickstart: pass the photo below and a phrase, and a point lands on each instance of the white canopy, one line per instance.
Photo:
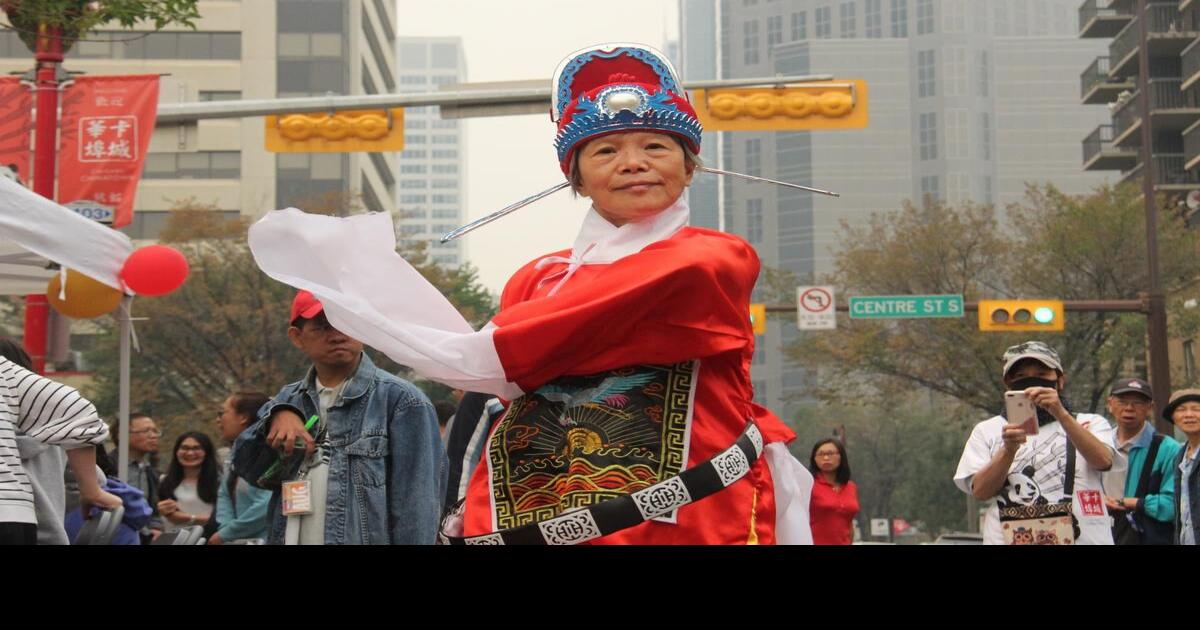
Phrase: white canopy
(22, 272)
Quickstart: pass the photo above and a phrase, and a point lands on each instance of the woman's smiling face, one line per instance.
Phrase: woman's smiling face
(633, 175)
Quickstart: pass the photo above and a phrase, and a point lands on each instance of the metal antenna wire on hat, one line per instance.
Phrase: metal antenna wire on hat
(717, 171)
(478, 223)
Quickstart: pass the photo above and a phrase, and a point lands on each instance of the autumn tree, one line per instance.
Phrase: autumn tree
(897, 454)
(1056, 246)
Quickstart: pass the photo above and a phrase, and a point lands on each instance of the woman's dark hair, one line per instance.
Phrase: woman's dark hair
(445, 410)
(248, 403)
(13, 351)
(843, 470)
(105, 463)
(206, 486)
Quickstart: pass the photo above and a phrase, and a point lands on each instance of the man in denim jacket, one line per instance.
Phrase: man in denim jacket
(373, 465)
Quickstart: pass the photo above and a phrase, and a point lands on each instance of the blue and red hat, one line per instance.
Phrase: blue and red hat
(612, 88)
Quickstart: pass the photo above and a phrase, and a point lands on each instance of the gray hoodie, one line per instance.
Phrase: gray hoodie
(45, 463)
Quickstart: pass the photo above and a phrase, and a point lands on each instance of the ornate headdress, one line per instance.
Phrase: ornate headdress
(618, 87)
(610, 88)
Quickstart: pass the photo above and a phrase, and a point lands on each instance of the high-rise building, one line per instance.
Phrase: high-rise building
(239, 51)
(1173, 84)
(431, 192)
(1173, 30)
(968, 101)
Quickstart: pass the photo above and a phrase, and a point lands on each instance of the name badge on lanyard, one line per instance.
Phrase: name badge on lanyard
(297, 498)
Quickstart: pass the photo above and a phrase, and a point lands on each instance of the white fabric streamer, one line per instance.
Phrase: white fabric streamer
(375, 296)
(56, 233)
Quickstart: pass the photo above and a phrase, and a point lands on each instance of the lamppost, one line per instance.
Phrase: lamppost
(1156, 316)
(48, 54)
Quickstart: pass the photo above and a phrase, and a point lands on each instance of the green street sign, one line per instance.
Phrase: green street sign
(905, 306)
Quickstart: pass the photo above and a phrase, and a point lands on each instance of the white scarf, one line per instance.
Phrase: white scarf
(373, 295)
(600, 242)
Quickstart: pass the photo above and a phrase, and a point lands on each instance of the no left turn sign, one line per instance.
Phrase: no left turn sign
(815, 308)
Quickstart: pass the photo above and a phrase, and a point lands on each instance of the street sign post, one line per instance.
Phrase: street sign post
(905, 306)
(815, 308)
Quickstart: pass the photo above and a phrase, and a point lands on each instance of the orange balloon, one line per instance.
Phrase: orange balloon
(86, 298)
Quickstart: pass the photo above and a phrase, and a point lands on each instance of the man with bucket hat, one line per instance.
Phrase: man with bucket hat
(1045, 485)
(1184, 411)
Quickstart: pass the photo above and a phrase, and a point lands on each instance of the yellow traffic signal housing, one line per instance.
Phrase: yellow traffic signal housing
(338, 132)
(1021, 315)
(802, 106)
(758, 318)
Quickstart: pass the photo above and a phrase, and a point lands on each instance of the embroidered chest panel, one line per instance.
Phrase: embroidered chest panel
(579, 440)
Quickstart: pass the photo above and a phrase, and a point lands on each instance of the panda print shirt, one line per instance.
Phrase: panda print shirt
(1036, 475)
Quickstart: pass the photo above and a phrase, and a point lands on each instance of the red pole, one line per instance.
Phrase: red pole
(49, 54)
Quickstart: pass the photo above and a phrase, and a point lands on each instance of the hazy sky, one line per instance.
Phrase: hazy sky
(512, 157)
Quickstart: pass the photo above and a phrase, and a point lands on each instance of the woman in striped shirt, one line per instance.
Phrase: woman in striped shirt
(55, 414)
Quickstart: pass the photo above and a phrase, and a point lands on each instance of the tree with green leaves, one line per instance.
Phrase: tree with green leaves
(908, 392)
(1085, 247)
(73, 19)
(897, 453)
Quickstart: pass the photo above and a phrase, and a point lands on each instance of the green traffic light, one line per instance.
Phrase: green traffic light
(1044, 315)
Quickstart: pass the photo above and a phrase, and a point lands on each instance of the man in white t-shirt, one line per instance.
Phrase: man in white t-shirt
(1003, 464)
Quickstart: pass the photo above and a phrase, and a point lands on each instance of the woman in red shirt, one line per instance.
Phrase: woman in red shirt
(834, 497)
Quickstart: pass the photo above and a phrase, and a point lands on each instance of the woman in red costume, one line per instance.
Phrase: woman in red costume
(626, 358)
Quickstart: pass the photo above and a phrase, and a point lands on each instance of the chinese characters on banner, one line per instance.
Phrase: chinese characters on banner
(104, 132)
(16, 122)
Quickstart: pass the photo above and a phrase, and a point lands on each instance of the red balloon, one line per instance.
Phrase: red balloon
(155, 270)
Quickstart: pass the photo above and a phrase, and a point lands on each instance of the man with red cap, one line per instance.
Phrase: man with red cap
(362, 458)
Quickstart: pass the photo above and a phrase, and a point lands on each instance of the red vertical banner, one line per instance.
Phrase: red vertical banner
(16, 123)
(105, 132)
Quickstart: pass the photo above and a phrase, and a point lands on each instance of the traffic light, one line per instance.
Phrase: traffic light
(1021, 315)
(818, 105)
(758, 318)
(336, 132)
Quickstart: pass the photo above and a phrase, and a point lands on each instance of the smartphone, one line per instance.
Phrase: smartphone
(1019, 409)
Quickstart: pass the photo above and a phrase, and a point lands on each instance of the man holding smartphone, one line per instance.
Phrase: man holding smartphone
(1141, 499)
(1056, 471)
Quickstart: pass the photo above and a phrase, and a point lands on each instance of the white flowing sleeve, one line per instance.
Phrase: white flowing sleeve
(793, 490)
(373, 295)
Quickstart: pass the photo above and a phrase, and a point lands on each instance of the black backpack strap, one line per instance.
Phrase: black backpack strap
(1148, 466)
(1069, 473)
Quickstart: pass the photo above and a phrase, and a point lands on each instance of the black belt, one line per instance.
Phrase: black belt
(591, 522)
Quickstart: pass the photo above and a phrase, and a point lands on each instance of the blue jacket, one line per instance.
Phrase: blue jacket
(1193, 482)
(387, 467)
(244, 513)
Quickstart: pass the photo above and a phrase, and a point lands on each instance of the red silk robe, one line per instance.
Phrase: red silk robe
(639, 369)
